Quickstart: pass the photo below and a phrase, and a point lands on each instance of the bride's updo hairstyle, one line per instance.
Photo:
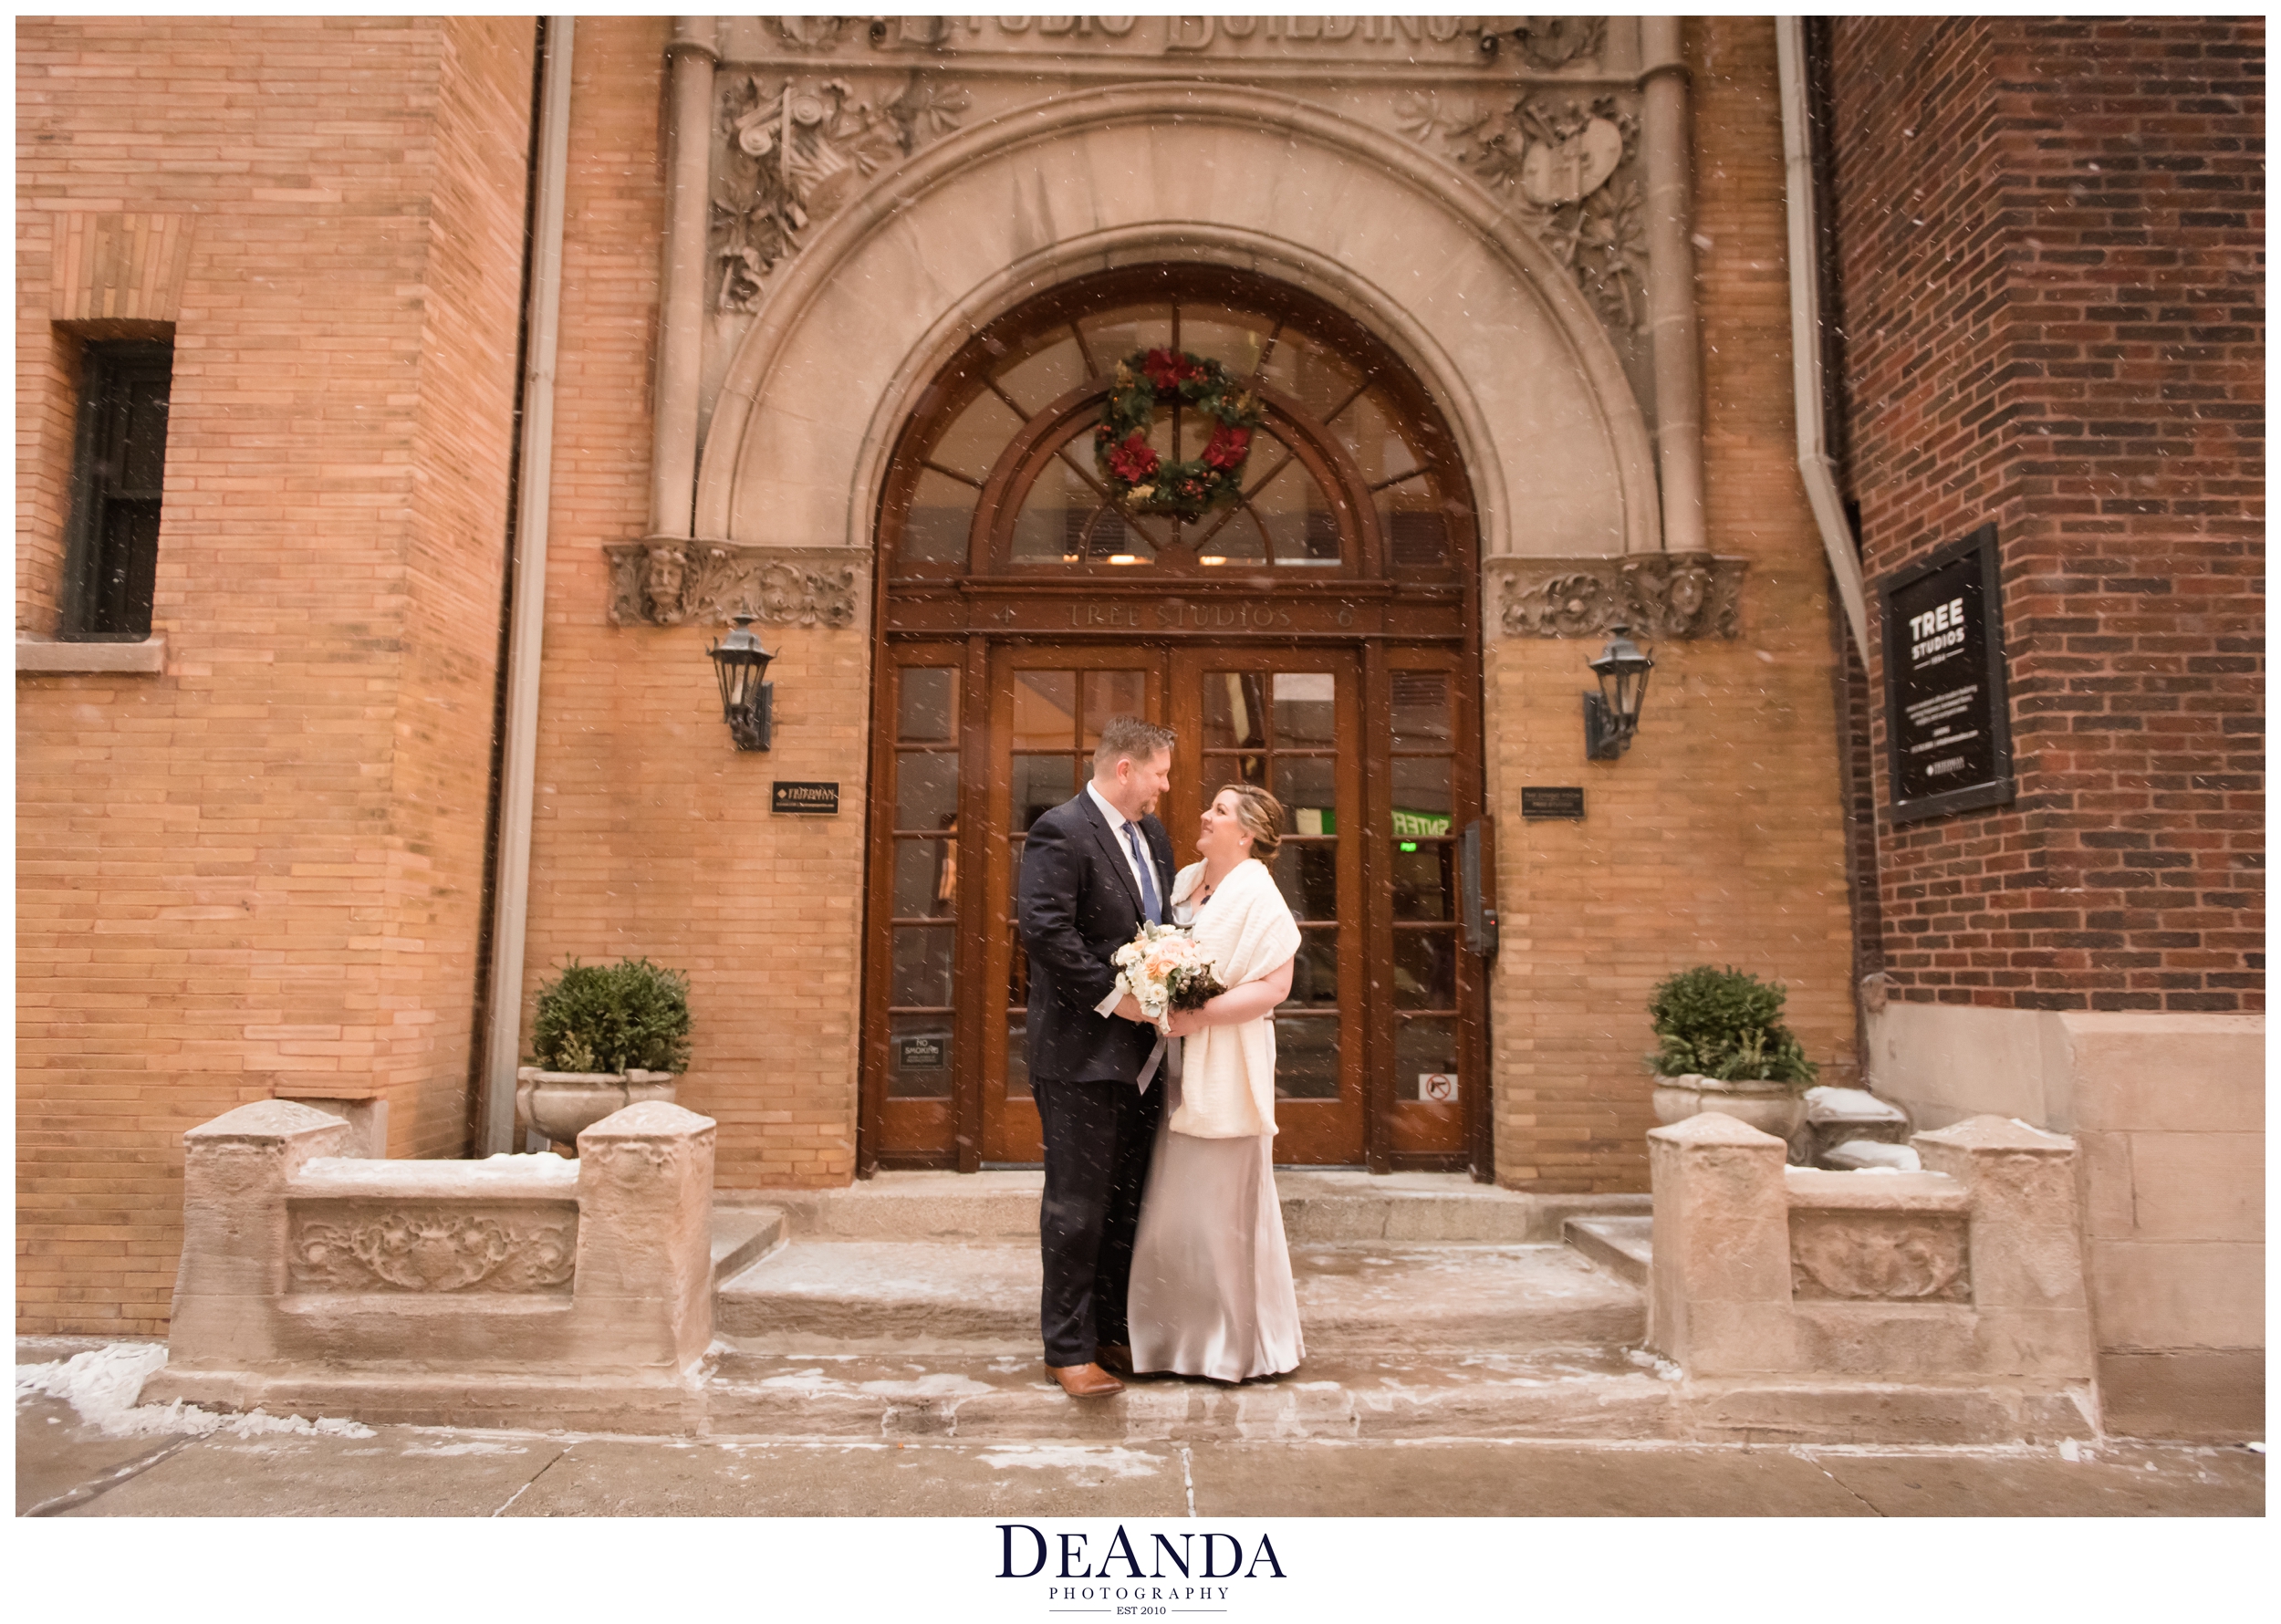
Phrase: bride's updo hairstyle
(1260, 814)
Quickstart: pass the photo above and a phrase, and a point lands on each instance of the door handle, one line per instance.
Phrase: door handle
(1477, 879)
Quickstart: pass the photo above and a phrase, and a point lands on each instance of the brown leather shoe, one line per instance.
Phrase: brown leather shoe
(1086, 1382)
(1114, 1356)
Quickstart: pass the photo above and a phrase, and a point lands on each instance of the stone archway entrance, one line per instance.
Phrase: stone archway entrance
(1320, 637)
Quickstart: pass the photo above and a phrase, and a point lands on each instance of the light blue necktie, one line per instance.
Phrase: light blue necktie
(1154, 909)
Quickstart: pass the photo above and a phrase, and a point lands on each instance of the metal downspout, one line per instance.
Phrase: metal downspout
(518, 765)
(1814, 461)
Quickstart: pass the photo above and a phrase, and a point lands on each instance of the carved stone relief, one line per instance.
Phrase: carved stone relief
(433, 1249)
(1554, 43)
(1658, 595)
(1893, 1257)
(1566, 166)
(790, 152)
(706, 583)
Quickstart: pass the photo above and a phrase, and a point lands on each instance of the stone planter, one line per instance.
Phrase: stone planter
(560, 1105)
(1769, 1106)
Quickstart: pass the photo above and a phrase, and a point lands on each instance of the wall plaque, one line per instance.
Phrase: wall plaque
(1552, 800)
(809, 800)
(1947, 704)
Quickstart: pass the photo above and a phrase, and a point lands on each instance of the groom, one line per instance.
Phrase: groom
(1094, 868)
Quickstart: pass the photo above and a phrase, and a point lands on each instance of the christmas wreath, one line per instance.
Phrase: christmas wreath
(1139, 482)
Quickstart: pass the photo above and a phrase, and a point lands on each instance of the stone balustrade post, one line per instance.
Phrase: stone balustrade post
(2034, 1313)
(1720, 1282)
(234, 1261)
(644, 1281)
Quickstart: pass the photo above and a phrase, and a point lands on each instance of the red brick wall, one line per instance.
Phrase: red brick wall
(260, 871)
(2052, 255)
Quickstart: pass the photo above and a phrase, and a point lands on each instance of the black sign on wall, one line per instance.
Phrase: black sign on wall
(804, 799)
(1947, 706)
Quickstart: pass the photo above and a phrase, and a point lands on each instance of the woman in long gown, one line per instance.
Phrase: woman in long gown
(1212, 1293)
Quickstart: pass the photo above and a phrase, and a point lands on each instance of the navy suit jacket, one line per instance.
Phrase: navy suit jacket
(1078, 905)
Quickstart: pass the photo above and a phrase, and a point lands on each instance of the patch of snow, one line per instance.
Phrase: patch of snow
(1864, 1155)
(103, 1383)
(2070, 1450)
(1118, 1462)
(1649, 1360)
(474, 1447)
(940, 1385)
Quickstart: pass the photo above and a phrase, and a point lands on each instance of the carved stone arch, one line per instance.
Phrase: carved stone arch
(1554, 442)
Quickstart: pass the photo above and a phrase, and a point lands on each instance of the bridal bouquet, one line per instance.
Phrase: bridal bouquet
(1165, 968)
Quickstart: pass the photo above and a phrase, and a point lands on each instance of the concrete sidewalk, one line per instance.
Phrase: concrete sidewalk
(67, 1467)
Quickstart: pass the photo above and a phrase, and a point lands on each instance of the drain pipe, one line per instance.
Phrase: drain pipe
(1814, 461)
(511, 891)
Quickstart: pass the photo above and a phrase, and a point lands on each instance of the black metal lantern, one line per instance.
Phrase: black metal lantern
(740, 662)
(1613, 716)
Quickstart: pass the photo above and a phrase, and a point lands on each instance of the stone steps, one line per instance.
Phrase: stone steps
(1008, 1397)
(1335, 1204)
(742, 1236)
(906, 1306)
(1623, 1246)
(848, 1296)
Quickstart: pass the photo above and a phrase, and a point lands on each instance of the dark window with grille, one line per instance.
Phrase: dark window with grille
(112, 555)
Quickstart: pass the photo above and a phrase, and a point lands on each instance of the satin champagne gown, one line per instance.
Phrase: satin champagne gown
(1212, 1293)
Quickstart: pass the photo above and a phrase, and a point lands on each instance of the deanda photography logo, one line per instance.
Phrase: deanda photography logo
(1136, 1575)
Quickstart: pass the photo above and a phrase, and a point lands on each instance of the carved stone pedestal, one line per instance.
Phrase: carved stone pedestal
(1945, 1305)
(520, 1290)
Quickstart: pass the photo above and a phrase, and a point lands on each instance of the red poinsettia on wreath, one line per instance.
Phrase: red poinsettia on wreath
(1140, 481)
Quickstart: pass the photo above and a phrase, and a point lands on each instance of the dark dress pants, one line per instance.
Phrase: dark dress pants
(1098, 1138)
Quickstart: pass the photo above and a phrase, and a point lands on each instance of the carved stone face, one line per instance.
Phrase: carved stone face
(1691, 589)
(1577, 605)
(664, 585)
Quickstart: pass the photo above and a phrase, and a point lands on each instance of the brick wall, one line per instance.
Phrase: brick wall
(1720, 836)
(260, 871)
(652, 834)
(2051, 239)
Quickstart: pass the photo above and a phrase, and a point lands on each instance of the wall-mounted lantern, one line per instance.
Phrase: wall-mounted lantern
(1613, 716)
(746, 701)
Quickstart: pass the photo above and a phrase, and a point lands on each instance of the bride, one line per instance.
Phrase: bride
(1211, 1293)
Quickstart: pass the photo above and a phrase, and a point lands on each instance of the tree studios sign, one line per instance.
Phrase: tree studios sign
(1947, 707)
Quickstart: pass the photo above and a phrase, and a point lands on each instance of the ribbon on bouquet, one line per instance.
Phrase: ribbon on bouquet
(1156, 1056)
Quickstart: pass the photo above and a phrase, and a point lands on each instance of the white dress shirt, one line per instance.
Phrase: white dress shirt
(1116, 821)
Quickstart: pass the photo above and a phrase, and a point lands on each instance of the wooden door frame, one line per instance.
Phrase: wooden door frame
(982, 604)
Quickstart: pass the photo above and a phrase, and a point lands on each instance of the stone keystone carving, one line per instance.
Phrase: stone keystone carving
(1567, 167)
(791, 152)
(432, 1250)
(1912, 1257)
(706, 583)
(1658, 595)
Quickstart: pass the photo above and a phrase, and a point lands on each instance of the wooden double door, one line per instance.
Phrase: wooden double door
(1380, 1048)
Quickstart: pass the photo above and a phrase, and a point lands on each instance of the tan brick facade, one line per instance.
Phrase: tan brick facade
(1717, 839)
(260, 871)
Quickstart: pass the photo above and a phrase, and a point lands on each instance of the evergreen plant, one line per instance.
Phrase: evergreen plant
(626, 1016)
(1727, 1025)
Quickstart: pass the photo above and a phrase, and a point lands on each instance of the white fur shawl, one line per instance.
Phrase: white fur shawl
(1227, 1081)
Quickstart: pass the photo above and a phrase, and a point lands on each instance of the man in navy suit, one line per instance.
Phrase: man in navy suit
(1094, 868)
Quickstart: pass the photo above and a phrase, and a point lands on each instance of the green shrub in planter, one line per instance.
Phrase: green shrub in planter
(628, 1016)
(1726, 1025)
